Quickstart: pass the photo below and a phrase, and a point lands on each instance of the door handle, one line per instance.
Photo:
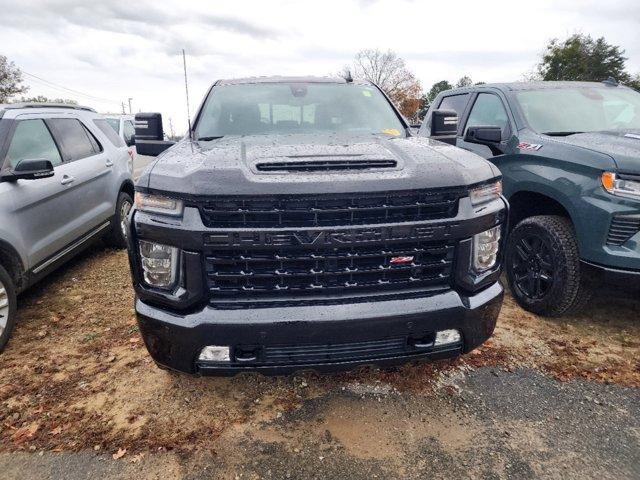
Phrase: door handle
(66, 180)
(109, 163)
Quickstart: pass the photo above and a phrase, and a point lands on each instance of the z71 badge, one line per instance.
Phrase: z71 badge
(529, 146)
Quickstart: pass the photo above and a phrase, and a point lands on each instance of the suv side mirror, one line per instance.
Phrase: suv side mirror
(149, 137)
(444, 126)
(28, 170)
(132, 141)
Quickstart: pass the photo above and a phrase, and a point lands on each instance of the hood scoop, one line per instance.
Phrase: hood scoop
(325, 165)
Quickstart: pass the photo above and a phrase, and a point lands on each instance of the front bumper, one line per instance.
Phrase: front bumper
(323, 338)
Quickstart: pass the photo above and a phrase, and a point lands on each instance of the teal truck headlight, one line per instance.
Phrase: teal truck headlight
(621, 185)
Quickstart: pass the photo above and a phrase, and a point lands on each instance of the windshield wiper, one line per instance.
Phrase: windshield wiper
(208, 139)
(560, 134)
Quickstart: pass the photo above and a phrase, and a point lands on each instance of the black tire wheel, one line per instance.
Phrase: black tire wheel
(117, 238)
(543, 266)
(8, 307)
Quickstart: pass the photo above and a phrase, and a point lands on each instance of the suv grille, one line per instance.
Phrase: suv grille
(327, 210)
(298, 272)
(622, 229)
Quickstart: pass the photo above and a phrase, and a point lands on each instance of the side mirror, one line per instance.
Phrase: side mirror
(149, 137)
(444, 126)
(491, 136)
(28, 170)
(132, 141)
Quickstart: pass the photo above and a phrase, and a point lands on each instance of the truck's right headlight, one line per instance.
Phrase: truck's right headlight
(485, 193)
(485, 249)
(159, 264)
(621, 185)
(147, 202)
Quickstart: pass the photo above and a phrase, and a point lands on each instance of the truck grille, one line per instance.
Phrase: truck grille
(622, 228)
(368, 208)
(301, 271)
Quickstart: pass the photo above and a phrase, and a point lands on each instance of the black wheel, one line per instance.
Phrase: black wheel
(543, 266)
(8, 307)
(118, 236)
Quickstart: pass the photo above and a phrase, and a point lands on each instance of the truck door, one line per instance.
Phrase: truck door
(487, 110)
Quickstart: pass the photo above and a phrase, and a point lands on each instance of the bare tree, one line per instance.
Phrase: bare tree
(10, 80)
(390, 73)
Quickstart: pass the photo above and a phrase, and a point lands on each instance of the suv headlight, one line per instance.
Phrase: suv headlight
(621, 185)
(159, 264)
(485, 249)
(147, 202)
(485, 193)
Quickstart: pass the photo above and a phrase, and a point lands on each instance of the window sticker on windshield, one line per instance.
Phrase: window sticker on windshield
(529, 146)
(392, 131)
(366, 93)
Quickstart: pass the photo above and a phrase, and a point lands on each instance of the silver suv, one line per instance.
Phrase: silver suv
(65, 180)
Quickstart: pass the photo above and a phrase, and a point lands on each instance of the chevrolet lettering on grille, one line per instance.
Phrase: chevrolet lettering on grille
(315, 238)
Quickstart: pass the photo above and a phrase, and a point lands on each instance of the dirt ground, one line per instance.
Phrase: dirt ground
(79, 393)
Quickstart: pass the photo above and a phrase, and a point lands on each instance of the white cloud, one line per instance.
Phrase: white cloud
(120, 49)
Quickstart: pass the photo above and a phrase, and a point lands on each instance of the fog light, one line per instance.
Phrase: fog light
(214, 353)
(485, 249)
(447, 337)
(159, 264)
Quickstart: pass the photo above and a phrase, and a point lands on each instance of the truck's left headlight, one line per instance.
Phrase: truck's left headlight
(486, 246)
(147, 202)
(159, 264)
(621, 185)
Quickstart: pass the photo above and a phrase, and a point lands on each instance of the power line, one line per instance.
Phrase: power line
(71, 90)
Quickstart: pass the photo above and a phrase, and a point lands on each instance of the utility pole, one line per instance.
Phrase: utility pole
(123, 112)
(171, 129)
(130, 105)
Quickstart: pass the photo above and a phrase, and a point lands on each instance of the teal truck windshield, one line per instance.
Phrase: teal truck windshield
(564, 111)
(280, 108)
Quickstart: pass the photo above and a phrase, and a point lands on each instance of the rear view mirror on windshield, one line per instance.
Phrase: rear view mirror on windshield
(149, 136)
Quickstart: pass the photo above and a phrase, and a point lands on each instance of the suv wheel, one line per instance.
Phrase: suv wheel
(543, 266)
(118, 236)
(7, 307)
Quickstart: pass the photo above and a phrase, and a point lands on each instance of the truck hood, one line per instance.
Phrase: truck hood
(229, 166)
(621, 145)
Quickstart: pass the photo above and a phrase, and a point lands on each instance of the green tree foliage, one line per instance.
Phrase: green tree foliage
(464, 82)
(582, 58)
(10, 80)
(436, 88)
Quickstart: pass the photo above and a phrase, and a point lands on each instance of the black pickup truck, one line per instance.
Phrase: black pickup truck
(301, 225)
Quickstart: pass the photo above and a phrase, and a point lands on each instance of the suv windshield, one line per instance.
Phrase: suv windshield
(284, 108)
(564, 111)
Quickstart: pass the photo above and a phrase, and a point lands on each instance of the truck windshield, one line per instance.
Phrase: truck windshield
(565, 111)
(285, 108)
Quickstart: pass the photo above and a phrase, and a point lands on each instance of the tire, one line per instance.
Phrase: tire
(8, 307)
(543, 267)
(117, 237)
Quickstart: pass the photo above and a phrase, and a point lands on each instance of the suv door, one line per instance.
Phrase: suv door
(90, 169)
(40, 207)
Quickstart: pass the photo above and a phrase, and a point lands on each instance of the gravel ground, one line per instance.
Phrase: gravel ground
(80, 398)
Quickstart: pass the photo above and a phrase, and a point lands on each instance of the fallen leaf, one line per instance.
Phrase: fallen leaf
(137, 458)
(119, 454)
(26, 433)
(56, 431)
(134, 339)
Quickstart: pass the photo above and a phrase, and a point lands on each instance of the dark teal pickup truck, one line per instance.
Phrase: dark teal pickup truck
(569, 153)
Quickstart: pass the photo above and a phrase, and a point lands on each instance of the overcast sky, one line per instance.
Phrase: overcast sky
(112, 50)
